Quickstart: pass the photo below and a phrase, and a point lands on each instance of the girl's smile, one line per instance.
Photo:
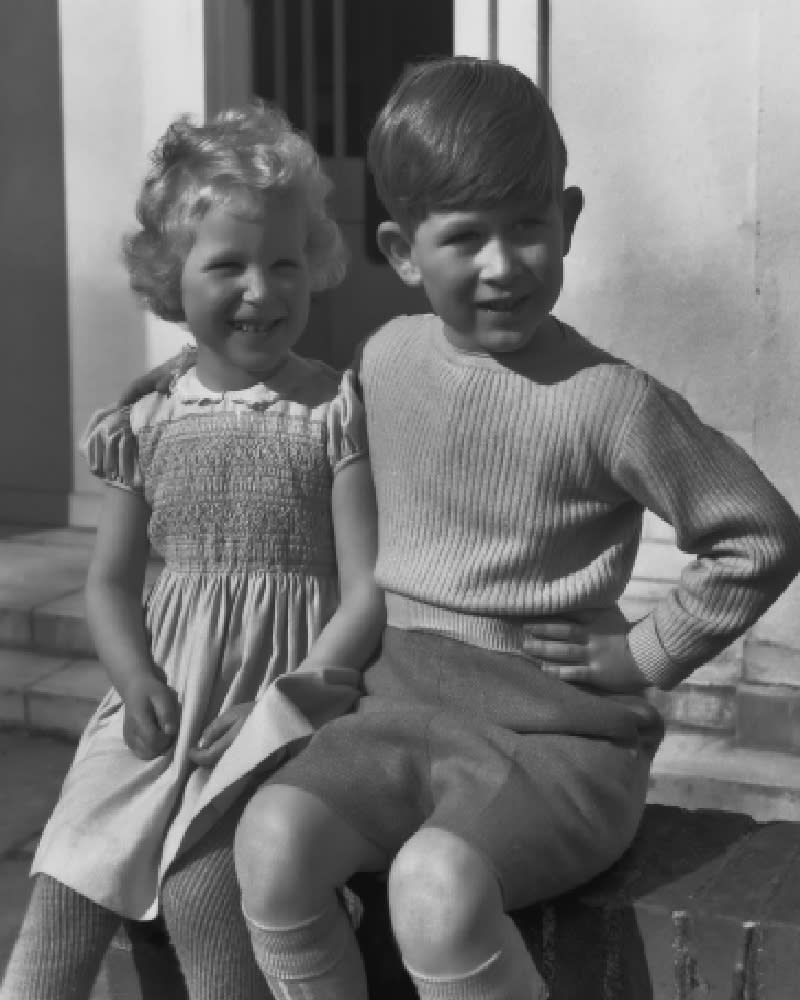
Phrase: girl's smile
(245, 289)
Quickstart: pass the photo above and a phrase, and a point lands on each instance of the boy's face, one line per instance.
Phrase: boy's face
(492, 275)
(245, 290)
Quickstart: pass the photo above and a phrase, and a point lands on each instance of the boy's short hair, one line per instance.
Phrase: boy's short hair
(233, 159)
(464, 133)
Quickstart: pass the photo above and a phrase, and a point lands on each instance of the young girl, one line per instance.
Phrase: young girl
(250, 479)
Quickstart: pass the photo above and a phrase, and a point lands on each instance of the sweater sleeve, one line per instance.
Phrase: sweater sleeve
(744, 535)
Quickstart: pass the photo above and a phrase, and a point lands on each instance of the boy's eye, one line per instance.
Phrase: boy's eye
(463, 236)
(529, 225)
(286, 264)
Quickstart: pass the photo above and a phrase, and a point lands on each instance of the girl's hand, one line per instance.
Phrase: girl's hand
(159, 379)
(574, 653)
(219, 734)
(152, 714)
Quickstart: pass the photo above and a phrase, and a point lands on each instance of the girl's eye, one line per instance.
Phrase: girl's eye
(286, 264)
(225, 265)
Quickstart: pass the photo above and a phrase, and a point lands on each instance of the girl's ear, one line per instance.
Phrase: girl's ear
(398, 249)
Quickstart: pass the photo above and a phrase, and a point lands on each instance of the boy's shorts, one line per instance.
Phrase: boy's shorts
(545, 780)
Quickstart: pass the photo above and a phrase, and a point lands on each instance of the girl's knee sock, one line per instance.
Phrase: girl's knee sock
(59, 949)
(509, 974)
(316, 960)
(203, 913)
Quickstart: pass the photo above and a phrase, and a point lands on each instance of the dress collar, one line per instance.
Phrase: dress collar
(189, 389)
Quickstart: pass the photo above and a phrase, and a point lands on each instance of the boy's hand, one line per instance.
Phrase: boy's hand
(219, 734)
(152, 714)
(576, 654)
(158, 379)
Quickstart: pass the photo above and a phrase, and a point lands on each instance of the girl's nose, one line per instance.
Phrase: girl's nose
(255, 286)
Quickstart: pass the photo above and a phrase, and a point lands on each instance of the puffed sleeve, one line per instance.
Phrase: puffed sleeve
(109, 445)
(347, 428)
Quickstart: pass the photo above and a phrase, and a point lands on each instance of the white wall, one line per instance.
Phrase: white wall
(127, 69)
(682, 129)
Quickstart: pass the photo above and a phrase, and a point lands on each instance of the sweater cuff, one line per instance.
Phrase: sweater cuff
(651, 657)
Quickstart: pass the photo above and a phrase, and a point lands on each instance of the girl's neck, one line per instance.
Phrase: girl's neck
(228, 379)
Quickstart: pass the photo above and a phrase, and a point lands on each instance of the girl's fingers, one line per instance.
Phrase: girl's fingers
(165, 711)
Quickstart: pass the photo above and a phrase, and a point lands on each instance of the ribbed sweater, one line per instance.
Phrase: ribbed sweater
(513, 487)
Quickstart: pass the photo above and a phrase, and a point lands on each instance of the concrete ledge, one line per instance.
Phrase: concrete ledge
(704, 904)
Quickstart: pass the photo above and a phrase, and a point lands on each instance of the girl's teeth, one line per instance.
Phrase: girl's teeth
(249, 328)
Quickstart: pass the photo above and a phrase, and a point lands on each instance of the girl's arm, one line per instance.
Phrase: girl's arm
(353, 633)
(354, 630)
(116, 620)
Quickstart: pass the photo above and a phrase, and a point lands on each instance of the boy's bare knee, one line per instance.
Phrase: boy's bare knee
(442, 898)
(268, 852)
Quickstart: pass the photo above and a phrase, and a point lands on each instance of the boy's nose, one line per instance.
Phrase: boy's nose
(498, 259)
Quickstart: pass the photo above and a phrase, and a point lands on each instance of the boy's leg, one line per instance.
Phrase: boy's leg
(454, 935)
(292, 854)
(202, 908)
(63, 939)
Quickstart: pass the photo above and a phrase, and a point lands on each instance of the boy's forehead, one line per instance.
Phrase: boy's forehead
(508, 208)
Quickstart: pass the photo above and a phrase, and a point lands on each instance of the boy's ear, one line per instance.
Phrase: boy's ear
(397, 248)
(571, 206)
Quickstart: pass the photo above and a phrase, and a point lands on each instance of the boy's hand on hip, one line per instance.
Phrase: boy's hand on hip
(219, 734)
(574, 653)
(152, 714)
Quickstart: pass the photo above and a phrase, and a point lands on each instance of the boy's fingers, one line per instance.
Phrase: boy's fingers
(570, 674)
(556, 652)
(558, 631)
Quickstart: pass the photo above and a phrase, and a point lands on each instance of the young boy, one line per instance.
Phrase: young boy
(512, 461)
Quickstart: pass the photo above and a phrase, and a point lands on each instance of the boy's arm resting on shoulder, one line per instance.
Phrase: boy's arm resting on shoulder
(158, 379)
(116, 620)
(353, 633)
(744, 535)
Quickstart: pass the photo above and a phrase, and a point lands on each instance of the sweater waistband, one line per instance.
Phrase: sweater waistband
(501, 633)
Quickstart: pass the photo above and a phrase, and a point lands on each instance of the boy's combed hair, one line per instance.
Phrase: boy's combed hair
(461, 132)
(233, 159)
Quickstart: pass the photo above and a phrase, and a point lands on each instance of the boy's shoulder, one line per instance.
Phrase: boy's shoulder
(402, 329)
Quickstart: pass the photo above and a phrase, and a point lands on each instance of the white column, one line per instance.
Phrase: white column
(504, 29)
(518, 35)
(472, 27)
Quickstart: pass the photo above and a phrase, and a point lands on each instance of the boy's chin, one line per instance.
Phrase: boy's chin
(505, 341)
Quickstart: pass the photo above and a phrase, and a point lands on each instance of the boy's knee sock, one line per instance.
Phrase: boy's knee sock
(316, 960)
(60, 946)
(203, 913)
(509, 974)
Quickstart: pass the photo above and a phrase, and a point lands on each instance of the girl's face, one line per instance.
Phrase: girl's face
(245, 290)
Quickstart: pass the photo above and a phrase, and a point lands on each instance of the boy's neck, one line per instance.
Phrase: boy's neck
(467, 345)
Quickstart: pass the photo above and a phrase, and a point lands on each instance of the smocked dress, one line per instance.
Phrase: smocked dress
(239, 487)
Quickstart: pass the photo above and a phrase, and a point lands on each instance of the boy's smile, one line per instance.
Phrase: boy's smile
(492, 274)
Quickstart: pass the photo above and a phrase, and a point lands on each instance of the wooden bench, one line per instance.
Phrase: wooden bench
(704, 904)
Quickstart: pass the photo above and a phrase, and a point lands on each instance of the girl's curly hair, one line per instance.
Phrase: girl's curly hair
(235, 157)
